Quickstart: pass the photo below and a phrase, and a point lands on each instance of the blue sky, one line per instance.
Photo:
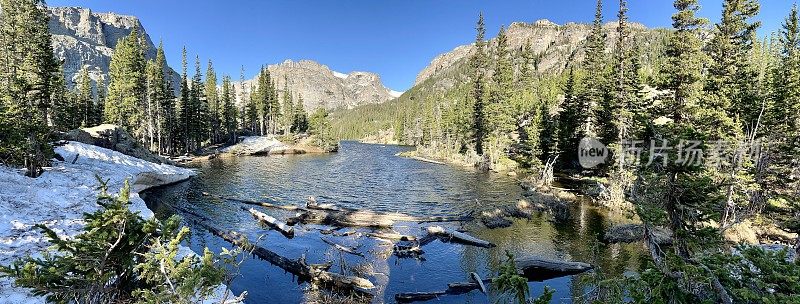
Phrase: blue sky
(395, 39)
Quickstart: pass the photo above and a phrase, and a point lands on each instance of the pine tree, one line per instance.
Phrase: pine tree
(785, 111)
(300, 124)
(85, 98)
(500, 118)
(28, 75)
(288, 108)
(198, 129)
(548, 137)
(184, 107)
(214, 109)
(127, 89)
(275, 108)
(528, 69)
(229, 115)
(99, 106)
(783, 120)
(64, 114)
(160, 87)
(571, 121)
(479, 62)
(595, 66)
(622, 87)
(731, 79)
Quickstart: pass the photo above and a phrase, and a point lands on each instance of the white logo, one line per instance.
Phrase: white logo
(591, 152)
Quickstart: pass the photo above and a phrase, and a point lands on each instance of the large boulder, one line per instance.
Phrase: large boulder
(115, 138)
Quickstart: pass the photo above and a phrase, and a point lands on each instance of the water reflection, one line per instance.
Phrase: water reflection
(372, 177)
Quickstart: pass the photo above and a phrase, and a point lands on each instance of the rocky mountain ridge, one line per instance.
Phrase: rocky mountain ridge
(556, 46)
(82, 37)
(322, 87)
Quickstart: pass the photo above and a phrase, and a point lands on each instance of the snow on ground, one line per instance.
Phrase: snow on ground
(395, 94)
(340, 75)
(62, 194)
(255, 145)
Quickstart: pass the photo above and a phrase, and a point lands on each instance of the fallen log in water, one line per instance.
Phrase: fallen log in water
(272, 222)
(540, 269)
(343, 248)
(392, 236)
(408, 249)
(458, 237)
(452, 289)
(330, 214)
(299, 267)
(254, 203)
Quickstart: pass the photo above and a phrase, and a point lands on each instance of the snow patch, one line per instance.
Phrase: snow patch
(255, 145)
(339, 75)
(395, 94)
(60, 197)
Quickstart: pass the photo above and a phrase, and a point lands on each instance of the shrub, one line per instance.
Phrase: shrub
(118, 257)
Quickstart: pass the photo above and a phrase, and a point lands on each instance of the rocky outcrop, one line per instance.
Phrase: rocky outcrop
(321, 87)
(85, 38)
(114, 138)
(556, 46)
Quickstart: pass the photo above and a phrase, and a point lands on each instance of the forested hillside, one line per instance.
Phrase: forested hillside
(697, 129)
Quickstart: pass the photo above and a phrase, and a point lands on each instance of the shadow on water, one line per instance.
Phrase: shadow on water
(372, 177)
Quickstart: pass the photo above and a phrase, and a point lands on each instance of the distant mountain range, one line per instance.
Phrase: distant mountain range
(322, 87)
(555, 46)
(82, 37)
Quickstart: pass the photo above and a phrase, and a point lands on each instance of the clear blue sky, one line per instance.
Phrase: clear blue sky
(395, 39)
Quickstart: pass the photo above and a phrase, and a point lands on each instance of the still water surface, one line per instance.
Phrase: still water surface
(372, 177)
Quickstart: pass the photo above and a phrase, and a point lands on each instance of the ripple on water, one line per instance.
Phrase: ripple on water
(372, 177)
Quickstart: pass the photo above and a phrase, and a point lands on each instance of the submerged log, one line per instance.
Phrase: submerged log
(540, 269)
(272, 222)
(407, 249)
(458, 237)
(452, 289)
(296, 267)
(343, 248)
(392, 236)
(254, 203)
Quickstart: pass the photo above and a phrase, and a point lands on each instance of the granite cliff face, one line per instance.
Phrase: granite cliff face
(321, 87)
(85, 38)
(556, 47)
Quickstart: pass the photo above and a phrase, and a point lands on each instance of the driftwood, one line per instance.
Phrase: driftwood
(539, 269)
(458, 237)
(475, 277)
(299, 267)
(452, 289)
(392, 236)
(343, 248)
(272, 222)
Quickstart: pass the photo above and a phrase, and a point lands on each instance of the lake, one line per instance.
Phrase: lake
(372, 177)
